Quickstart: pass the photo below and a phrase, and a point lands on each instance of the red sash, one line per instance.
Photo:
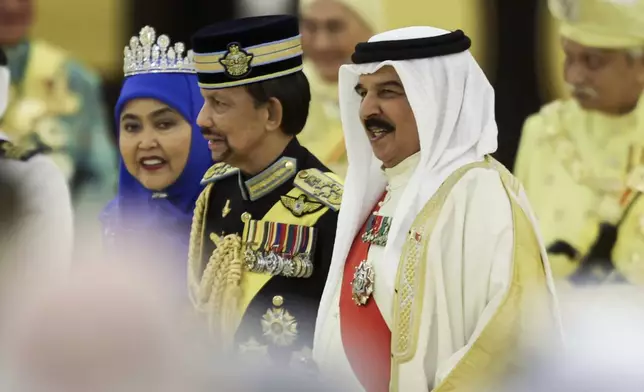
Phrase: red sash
(365, 335)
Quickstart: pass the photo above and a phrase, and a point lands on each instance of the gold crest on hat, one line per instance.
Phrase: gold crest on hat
(236, 61)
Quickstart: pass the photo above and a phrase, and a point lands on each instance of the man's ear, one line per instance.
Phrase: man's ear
(275, 114)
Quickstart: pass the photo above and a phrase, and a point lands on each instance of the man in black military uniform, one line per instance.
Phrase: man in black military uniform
(264, 227)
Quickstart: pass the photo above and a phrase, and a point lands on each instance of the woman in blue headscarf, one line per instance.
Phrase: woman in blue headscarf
(163, 156)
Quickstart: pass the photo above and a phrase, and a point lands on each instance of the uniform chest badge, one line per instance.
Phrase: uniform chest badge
(226, 210)
(236, 61)
(278, 325)
(300, 206)
(377, 230)
(362, 283)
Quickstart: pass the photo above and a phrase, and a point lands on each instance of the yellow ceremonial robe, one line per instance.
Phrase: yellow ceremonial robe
(575, 166)
(323, 134)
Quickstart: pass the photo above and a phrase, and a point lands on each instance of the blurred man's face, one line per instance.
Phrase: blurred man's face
(15, 20)
(330, 32)
(609, 81)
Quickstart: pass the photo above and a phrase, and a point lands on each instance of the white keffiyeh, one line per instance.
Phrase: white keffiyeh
(5, 79)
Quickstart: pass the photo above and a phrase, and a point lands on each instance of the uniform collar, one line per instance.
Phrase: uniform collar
(255, 187)
(275, 175)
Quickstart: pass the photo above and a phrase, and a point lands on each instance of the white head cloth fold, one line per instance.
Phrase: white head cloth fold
(453, 103)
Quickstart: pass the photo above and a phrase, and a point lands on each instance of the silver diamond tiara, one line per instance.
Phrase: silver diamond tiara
(144, 55)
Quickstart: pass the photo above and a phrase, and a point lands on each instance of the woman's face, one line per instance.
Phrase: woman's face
(154, 141)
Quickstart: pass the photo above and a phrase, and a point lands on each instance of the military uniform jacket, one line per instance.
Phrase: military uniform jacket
(260, 252)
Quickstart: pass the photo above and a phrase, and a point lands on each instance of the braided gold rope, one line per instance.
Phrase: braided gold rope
(221, 284)
(217, 291)
(194, 248)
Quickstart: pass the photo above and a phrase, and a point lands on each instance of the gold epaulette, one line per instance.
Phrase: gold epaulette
(321, 187)
(9, 150)
(217, 172)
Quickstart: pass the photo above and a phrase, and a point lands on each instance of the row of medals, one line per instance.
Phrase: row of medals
(298, 266)
(376, 233)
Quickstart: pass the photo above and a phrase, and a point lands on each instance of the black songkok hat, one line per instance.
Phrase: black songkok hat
(248, 50)
(410, 49)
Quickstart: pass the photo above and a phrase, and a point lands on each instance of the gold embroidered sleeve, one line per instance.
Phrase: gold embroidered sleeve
(217, 172)
(321, 187)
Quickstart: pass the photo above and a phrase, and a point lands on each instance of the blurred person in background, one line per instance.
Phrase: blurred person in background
(582, 159)
(330, 31)
(36, 229)
(109, 327)
(264, 227)
(56, 102)
(438, 273)
(163, 156)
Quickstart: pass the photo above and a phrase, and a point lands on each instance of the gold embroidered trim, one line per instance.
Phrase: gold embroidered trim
(411, 273)
(271, 178)
(217, 172)
(566, 151)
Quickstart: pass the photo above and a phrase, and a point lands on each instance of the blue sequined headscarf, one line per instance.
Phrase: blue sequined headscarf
(137, 209)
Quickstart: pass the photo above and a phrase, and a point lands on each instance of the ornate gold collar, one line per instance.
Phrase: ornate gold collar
(259, 185)
(269, 179)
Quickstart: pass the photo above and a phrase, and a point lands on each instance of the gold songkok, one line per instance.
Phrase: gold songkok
(606, 24)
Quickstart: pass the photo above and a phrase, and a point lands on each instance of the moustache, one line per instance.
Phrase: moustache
(377, 123)
(209, 132)
(582, 90)
(205, 131)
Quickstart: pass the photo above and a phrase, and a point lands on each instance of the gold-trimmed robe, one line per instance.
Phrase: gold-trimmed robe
(473, 290)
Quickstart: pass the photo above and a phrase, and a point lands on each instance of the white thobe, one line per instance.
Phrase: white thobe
(38, 240)
(470, 258)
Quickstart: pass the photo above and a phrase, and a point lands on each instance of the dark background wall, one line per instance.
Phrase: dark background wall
(517, 92)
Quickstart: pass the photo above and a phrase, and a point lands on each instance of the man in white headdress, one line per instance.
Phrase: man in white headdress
(36, 233)
(438, 273)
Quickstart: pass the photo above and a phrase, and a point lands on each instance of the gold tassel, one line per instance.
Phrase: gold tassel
(217, 291)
